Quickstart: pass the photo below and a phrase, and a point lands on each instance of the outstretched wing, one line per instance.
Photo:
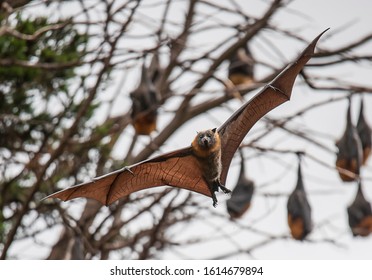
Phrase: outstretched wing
(178, 169)
(233, 131)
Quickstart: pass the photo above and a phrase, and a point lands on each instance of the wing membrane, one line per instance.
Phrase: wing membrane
(234, 130)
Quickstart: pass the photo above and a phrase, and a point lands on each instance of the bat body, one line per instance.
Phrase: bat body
(206, 147)
(299, 211)
(241, 196)
(360, 215)
(189, 167)
(145, 101)
(241, 68)
(349, 154)
(365, 134)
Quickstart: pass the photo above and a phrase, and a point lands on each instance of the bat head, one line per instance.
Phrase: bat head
(206, 142)
(207, 139)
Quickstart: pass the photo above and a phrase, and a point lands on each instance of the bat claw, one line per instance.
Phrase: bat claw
(276, 88)
(128, 169)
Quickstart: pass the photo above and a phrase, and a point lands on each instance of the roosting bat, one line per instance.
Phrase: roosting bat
(145, 102)
(360, 214)
(241, 67)
(365, 133)
(299, 210)
(241, 196)
(349, 156)
(203, 166)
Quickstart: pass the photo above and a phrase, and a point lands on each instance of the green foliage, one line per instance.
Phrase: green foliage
(35, 100)
(24, 90)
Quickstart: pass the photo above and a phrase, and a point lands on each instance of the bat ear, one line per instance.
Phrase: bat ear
(214, 130)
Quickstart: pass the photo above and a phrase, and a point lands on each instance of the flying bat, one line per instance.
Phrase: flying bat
(145, 101)
(299, 210)
(201, 167)
(241, 68)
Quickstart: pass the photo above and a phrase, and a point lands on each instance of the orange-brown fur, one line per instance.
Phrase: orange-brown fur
(364, 228)
(204, 153)
(296, 225)
(207, 149)
(145, 124)
(366, 153)
(240, 79)
(350, 165)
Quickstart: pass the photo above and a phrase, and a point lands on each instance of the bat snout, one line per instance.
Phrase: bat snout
(206, 142)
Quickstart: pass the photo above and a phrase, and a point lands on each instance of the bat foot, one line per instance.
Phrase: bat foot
(222, 187)
(215, 202)
(225, 190)
(215, 187)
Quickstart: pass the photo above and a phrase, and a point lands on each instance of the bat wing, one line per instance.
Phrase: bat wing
(233, 131)
(178, 169)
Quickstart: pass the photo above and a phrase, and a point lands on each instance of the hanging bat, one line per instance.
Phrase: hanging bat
(241, 68)
(203, 166)
(145, 101)
(154, 70)
(299, 210)
(360, 214)
(241, 196)
(349, 156)
(365, 133)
